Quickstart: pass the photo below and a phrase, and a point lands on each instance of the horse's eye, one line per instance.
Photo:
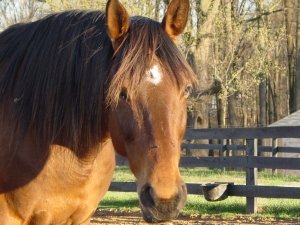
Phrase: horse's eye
(188, 90)
(124, 95)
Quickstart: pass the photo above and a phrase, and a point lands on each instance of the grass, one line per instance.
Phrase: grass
(197, 205)
(120, 201)
(238, 177)
(122, 173)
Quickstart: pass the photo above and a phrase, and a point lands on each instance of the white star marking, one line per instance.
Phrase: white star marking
(155, 75)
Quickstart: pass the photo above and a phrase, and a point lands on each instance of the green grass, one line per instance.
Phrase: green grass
(197, 205)
(122, 173)
(120, 201)
(280, 208)
(238, 177)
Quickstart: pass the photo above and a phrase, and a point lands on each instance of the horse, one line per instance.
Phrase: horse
(79, 87)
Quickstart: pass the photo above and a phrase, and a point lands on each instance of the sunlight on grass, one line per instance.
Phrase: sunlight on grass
(279, 208)
(213, 175)
(122, 173)
(120, 201)
(197, 205)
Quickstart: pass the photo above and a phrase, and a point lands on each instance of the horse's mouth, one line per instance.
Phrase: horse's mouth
(155, 210)
(152, 215)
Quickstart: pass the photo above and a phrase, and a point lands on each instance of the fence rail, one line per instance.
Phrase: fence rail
(233, 190)
(243, 133)
(250, 161)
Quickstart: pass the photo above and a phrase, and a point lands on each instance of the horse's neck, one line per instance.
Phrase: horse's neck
(81, 168)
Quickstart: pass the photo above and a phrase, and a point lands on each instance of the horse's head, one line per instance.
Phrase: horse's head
(147, 94)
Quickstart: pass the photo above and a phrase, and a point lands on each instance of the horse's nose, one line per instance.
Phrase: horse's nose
(156, 209)
(146, 197)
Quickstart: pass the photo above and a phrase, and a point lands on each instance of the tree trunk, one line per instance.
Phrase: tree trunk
(228, 12)
(291, 18)
(263, 83)
(198, 55)
(157, 8)
(262, 103)
(221, 114)
(297, 88)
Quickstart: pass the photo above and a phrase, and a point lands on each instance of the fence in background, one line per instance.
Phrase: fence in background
(250, 160)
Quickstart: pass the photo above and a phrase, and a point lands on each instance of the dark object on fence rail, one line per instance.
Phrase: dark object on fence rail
(215, 191)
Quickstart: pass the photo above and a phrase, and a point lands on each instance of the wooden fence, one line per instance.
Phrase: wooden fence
(250, 160)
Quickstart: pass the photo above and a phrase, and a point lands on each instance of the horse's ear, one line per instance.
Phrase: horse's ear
(117, 20)
(176, 17)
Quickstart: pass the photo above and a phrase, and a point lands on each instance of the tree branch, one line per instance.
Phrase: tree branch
(264, 14)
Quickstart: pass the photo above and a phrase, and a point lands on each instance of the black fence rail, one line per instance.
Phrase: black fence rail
(249, 160)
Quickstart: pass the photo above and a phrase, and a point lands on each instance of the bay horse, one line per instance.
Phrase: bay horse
(78, 86)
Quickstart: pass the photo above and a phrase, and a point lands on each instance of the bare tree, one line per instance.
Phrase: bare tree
(297, 79)
(16, 11)
(291, 33)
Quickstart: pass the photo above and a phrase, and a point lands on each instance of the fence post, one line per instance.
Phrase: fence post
(274, 151)
(222, 151)
(251, 175)
(188, 151)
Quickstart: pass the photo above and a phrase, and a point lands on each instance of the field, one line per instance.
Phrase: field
(278, 211)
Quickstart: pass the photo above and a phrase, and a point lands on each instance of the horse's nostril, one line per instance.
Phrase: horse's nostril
(146, 196)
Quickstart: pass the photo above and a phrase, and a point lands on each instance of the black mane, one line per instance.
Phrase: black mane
(48, 70)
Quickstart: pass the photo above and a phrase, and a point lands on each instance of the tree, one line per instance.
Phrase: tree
(197, 46)
(291, 17)
(236, 45)
(14, 11)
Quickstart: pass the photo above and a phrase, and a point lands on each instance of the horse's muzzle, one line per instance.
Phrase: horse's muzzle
(156, 210)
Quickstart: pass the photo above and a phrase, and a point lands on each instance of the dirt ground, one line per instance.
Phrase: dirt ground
(130, 218)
